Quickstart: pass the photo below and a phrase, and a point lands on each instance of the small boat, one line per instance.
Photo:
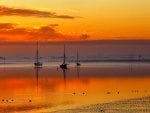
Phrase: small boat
(37, 63)
(64, 65)
(77, 63)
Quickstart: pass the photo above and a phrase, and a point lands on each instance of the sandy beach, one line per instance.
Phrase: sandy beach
(138, 105)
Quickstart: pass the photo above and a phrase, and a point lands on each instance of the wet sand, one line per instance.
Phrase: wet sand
(138, 105)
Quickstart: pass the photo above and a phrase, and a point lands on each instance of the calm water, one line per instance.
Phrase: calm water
(26, 89)
(88, 51)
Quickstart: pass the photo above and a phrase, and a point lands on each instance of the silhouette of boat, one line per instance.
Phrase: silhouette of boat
(64, 65)
(77, 63)
(37, 63)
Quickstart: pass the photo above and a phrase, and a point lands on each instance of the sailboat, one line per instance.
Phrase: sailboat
(77, 63)
(37, 63)
(64, 65)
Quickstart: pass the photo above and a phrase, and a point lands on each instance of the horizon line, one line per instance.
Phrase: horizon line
(66, 41)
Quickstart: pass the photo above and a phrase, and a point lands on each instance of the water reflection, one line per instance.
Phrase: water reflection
(78, 72)
(64, 75)
(37, 69)
(75, 76)
(48, 86)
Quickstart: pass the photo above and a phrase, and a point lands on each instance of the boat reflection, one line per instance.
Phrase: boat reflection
(70, 77)
(42, 87)
(37, 78)
(64, 75)
(78, 72)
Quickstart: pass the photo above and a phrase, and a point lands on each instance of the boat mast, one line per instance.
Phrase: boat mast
(37, 53)
(64, 54)
(77, 56)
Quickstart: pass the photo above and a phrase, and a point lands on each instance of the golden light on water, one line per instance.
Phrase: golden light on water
(28, 89)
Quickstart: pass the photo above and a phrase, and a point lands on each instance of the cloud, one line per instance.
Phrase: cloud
(11, 32)
(6, 26)
(85, 36)
(8, 11)
(54, 25)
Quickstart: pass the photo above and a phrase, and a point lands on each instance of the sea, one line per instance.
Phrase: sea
(110, 71)
(89, 51)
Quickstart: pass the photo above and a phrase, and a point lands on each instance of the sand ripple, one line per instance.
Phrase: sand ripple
(139, 105)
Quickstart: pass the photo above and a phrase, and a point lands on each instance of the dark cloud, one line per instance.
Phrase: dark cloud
(7, 11)
(6, 26)
(54, 25)
(10, 32)
(84, 36)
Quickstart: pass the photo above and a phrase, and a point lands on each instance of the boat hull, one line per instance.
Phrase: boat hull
(63, 66)
(78, 64)
(38, 64)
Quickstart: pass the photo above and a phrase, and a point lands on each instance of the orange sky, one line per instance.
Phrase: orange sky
(61, 20)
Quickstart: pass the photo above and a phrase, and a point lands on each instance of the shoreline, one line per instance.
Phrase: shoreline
(136, 105)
